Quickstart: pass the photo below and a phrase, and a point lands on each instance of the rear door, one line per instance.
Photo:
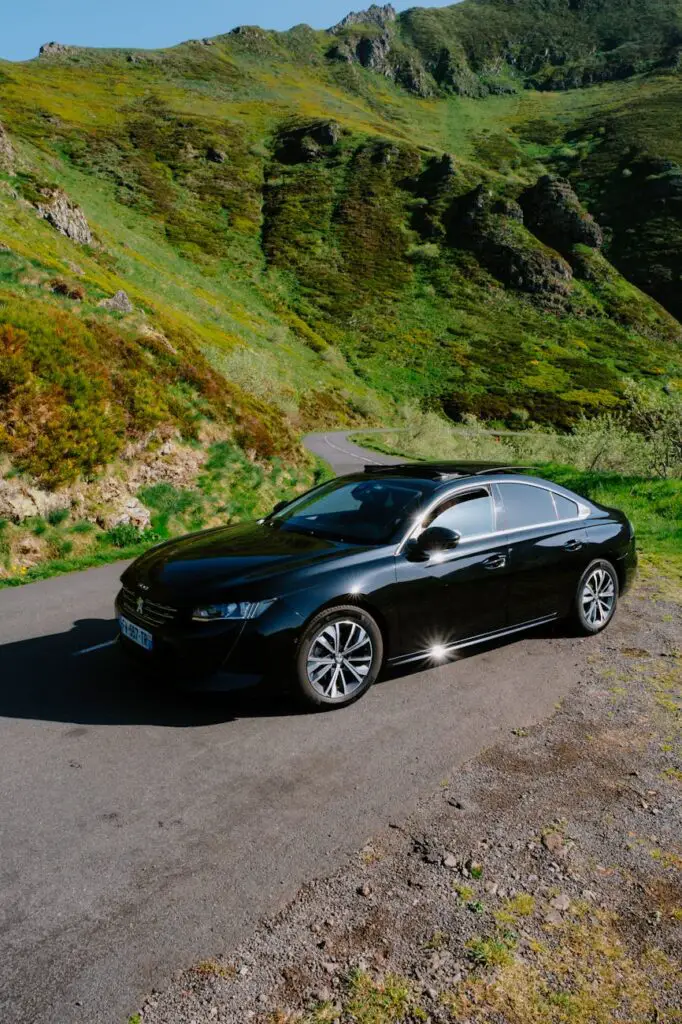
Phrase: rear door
(547, 549)
(459, 594)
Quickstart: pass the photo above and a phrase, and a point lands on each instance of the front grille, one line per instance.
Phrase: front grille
(152, 613)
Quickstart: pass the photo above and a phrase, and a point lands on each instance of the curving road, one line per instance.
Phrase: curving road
(140, 832)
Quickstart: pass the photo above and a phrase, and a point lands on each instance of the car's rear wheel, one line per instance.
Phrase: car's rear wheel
(339, 657)
(597, 597)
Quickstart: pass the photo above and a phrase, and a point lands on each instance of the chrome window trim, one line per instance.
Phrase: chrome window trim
(583, 511)
(440, 500)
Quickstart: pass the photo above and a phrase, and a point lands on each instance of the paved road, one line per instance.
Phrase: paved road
(336, 448)
(140, 832)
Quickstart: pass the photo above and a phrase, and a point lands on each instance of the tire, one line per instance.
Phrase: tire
(596, 598)
(323, 681)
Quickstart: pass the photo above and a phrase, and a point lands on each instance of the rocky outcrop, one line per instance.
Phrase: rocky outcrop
(250, 33)
(64, 215)
(553, 212)
(308, 142)
(215, 155)
(55, 50)
(375, 53)
(371, 52)
(118, 303)
(512, 261)
(454, 75)
(7, 154)
(509, 208)
(19, 501)
(502, 245)
(133, 513)
(375, 15)
(434, 190)
(412, 76)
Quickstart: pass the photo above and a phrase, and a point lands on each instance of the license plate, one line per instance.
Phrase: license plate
(136, 634)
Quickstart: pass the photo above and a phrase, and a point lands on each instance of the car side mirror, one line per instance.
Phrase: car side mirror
(434, 540)
(278, 507)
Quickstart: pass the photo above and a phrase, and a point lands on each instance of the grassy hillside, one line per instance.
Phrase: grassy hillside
(313, 228)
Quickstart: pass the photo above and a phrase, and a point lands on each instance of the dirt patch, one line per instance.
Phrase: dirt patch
(541, 884)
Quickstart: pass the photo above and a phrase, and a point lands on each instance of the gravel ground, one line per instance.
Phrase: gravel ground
(543, 883)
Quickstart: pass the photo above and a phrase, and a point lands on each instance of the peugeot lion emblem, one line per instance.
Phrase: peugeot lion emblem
(140, 605)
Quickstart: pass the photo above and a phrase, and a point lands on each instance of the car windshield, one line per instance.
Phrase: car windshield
(357, 511)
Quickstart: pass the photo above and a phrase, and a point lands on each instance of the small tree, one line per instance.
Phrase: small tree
(657, 416)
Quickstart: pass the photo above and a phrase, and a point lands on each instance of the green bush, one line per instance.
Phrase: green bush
(125, 535)
(57, 516)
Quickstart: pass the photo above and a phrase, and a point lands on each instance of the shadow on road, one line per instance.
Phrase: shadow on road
(46, 679)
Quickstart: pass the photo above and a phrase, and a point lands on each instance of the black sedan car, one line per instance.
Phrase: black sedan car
(398, 564)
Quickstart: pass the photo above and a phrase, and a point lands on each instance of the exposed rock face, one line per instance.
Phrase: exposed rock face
(536, 271)
(7, 154)
(216, 156)
(374, 15)
(307, 143)
(251, 32)
(372, 53)
(55, 50)
(118, 303)
(553, 212)
(133, 513)
(65, 216)
(505, 248)
(412, 76)
(508, 208)
(455, 75)
(18, 501)
(375, 54)
(434, 189)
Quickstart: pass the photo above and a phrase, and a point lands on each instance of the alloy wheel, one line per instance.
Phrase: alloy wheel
(339, 659)
(598, 597)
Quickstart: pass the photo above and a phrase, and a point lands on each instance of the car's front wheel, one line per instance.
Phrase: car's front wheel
(597, 597)
(339, 657)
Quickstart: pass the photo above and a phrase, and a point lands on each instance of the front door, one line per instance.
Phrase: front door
(459, 594)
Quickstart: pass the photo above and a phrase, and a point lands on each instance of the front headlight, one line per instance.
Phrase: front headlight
(236, 610)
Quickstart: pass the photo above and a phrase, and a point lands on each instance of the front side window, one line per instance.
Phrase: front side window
(470, 514)
(525, 505)
(358, 512)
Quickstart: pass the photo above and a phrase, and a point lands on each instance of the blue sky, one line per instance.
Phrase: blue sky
(151, 23)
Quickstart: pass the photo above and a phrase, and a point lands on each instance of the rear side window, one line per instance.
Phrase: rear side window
(524, 505)
(469, 514)
(566, 509)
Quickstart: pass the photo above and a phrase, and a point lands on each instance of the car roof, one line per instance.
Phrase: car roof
(442, 471)
(440, 474)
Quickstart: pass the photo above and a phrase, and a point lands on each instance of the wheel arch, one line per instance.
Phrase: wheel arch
(355, 601)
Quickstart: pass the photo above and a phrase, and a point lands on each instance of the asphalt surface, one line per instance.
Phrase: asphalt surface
(142, 831)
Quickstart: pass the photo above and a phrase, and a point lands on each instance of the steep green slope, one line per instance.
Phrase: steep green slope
(550, 44)
(313, 228)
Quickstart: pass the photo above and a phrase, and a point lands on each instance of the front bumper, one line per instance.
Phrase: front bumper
(219, 656)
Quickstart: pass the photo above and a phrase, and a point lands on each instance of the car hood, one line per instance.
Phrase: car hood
(232, 555)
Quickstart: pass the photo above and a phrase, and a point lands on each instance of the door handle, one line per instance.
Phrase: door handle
(573, 545)
(495, 562)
